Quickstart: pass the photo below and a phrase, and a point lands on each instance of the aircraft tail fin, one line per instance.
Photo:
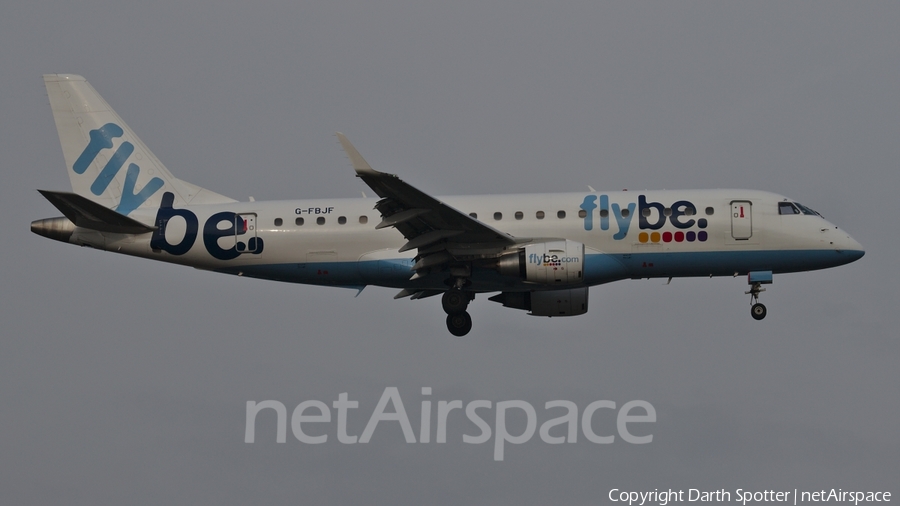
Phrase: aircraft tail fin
(107, 163)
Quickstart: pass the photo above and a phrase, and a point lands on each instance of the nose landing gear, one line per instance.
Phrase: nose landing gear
(756, 280)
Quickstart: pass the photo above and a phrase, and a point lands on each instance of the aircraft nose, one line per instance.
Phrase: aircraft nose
(851, 248)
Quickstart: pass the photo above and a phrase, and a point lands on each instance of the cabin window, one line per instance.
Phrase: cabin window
(688, 211)
(320, 220)
(498, 216)
(560, 214)
(787, 208)
(539, 215)
(646, 212)
(519, 215)
(342, 220)
(363, 219)
(667, 211)
(710, 211)
(604, 213)
(625, 212)
(278, 222)
(298, 221)
(474, 215)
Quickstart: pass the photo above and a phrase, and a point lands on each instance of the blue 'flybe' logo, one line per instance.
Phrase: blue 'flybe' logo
(651, 216)
(102, 138)
(221, 224)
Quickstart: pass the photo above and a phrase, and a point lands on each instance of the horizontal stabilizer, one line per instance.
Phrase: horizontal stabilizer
(89, 214)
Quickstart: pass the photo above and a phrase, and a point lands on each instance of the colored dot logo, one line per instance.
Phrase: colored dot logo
(679, 236)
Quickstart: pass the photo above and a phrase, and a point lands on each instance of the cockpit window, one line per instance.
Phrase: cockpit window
(806, 210)
(787, 208)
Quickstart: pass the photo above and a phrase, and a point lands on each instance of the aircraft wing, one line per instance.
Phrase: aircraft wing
(440, 233)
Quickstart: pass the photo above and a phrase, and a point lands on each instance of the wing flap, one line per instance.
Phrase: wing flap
(401, 217)
(429, 238)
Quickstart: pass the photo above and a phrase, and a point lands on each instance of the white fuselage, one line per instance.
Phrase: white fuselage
(628, 234)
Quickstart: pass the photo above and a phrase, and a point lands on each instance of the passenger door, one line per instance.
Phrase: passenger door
(741, 219)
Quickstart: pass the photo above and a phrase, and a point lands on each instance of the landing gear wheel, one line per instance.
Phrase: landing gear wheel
(459, 324)
(455, 301)
(758, 311)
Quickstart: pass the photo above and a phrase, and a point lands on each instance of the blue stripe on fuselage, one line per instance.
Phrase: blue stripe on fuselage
(598, 268)
(726, 263)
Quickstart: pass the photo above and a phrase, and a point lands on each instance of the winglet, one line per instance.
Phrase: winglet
(359, 163)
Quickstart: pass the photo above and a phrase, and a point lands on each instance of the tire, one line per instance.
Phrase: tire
(758, 311)
(459, 324)
(454, 301)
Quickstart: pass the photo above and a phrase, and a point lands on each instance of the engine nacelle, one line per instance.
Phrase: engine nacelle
(566, 302)
(548, 263)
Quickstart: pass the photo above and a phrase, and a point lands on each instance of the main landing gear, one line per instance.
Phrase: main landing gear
(455, 301)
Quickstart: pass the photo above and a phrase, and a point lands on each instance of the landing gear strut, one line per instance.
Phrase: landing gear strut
(455, 301)
(757, 310)
(756, 279)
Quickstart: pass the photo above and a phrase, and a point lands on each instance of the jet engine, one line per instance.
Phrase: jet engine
(546, 263)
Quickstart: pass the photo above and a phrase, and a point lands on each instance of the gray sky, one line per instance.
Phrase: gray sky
(124, 381)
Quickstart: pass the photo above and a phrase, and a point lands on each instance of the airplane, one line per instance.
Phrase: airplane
(539, 252)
